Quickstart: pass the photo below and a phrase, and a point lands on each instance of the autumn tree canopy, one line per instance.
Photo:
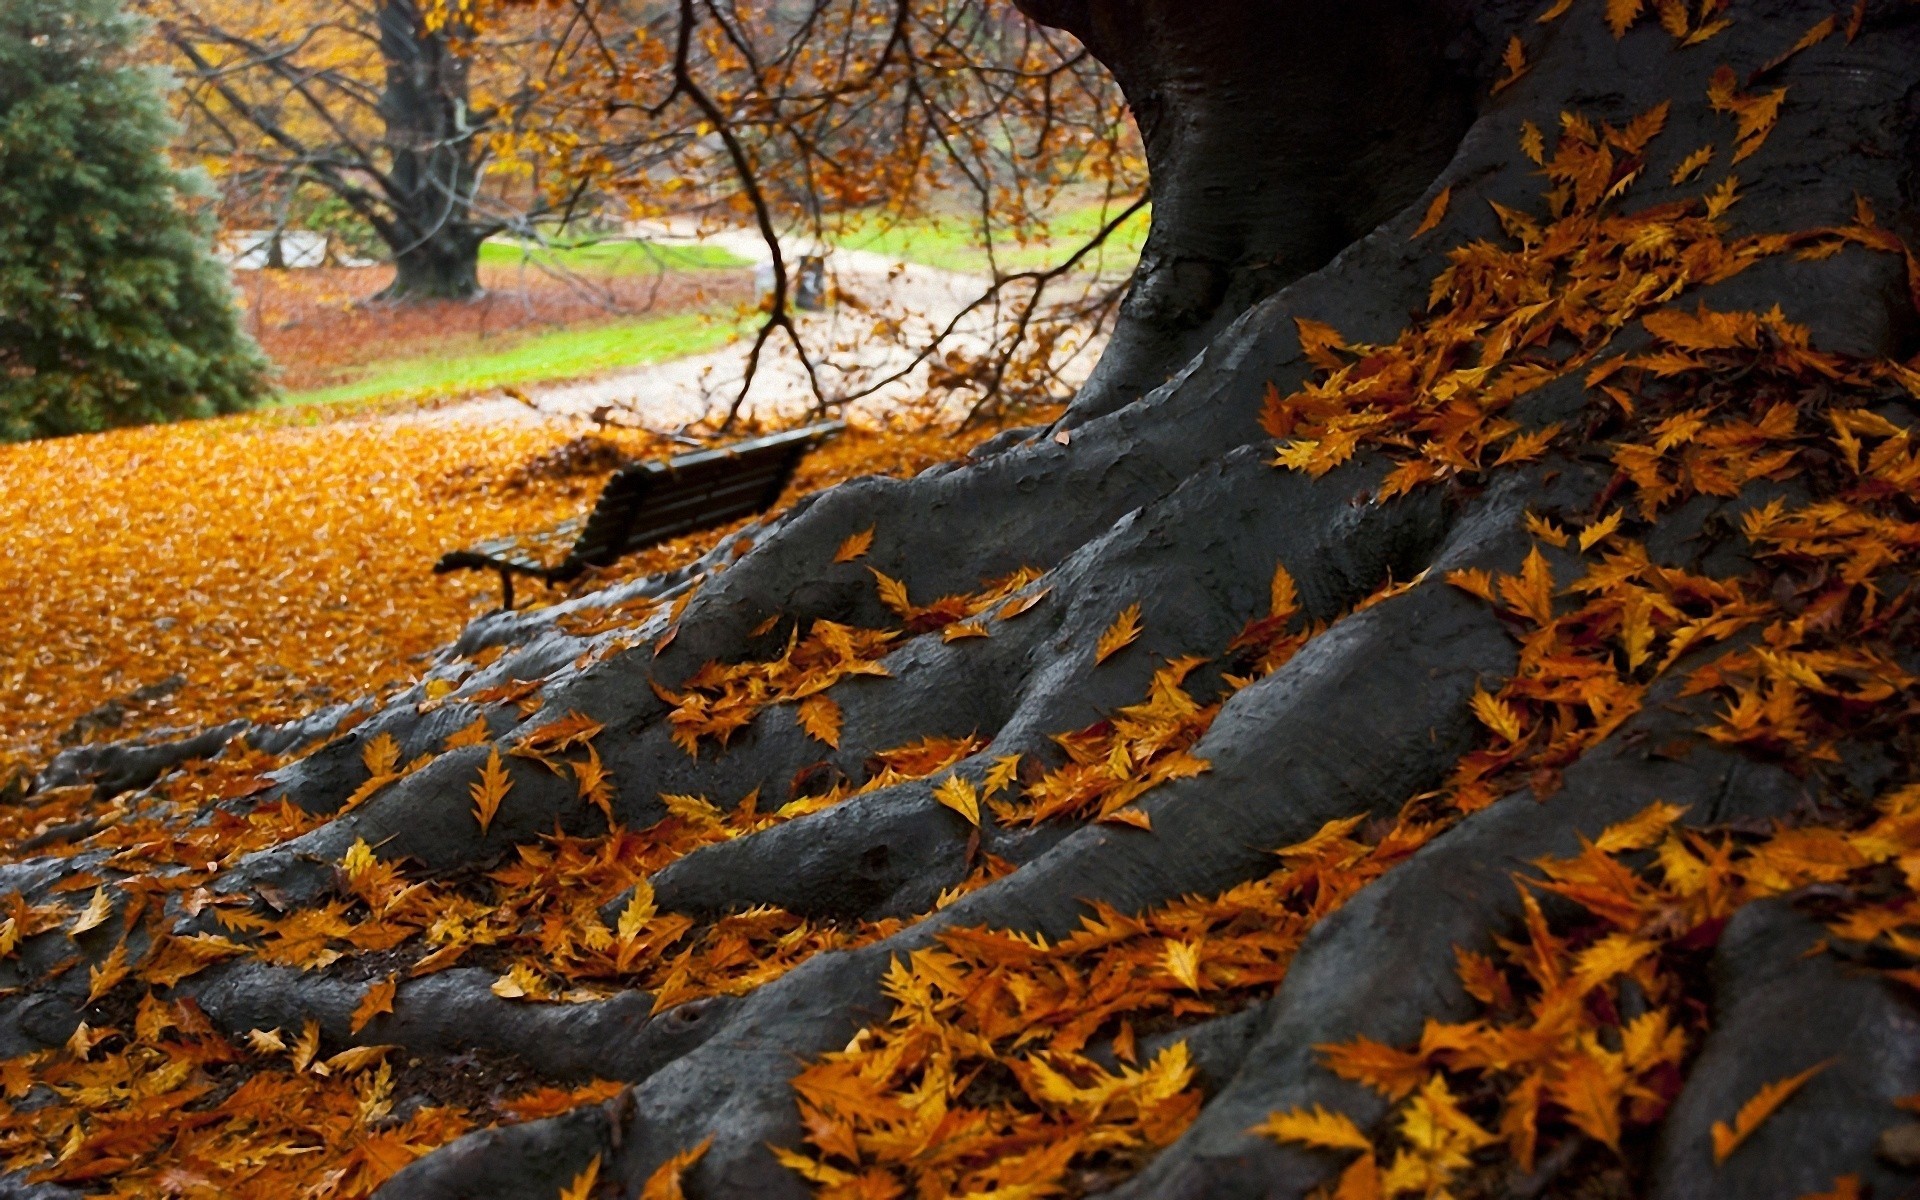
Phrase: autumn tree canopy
(398, 108)
(1435, 717)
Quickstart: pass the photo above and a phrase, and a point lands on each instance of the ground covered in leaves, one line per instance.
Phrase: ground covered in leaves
(265, 566)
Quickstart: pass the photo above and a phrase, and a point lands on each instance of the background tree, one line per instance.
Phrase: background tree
(812, 121)
(394, 106)
(112, 310)
(1534, 574)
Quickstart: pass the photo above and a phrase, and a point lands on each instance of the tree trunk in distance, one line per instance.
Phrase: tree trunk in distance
(432, 183)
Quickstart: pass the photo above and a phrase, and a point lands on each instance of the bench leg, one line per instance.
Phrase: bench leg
(506, 591)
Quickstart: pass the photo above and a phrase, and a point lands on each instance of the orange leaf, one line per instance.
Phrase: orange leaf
(1727, 1138)
(1124, 631)
(1515, 61)
(491, 790)
(378, 999)
(1590, 1091)
(1015, 607)
(582, 1186)
(595, 783)
(820, 717)
(667, 1183)
(105, 977)
(1318, 341)
(1621, 14)
(1326, 1130)
(1381, 1067)
(855, 546)
(1128, 816)
(893, 594)
(1438, 209)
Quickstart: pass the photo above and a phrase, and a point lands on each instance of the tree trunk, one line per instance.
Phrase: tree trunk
(430, 134)
(1277, 140)
(1276, 135)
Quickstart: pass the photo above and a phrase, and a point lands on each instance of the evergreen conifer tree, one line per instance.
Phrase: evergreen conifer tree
(112, 310)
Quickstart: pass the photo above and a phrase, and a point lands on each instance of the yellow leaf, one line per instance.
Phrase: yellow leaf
(1124, 631)
(820, 717)
(107, 975)
(378, 999)
(1496, 714)
(472, 734)
(961, 630)
(491, 790)
(1004, 771)
(1475, 581)
(639, 911)
(1593, 534)
(893, 594)
(1183, 963)
(1438, 209)
(1327, 1130)
(1692, 165)
(520, 983)
(855, 546)
(266, 1041)
(381, 756)
(1128, 816)
(582, 1186)
(356, 1058)
(1611, 956)
(304, 1050)
(1546, 531)
(1727, 1138)
(1553, 14)
(94, 914)
(957, 794)
(1641, 830)
(667, 1182)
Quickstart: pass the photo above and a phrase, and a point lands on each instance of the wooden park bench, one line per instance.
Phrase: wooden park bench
(647, 503)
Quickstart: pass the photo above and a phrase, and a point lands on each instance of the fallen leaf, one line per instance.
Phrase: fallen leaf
(820, 717)
(667, 1181)
(957, 794)
(1727, 1138)
(1318, 1127)
(855, 546)
(1124, 631)
(1438, 209)
(378, 999)
(490, 791)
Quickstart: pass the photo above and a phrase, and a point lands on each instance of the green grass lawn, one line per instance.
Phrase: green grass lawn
(608, 258)
(953, 243)
(542, 358)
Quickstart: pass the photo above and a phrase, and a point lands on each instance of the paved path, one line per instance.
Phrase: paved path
(895, 308)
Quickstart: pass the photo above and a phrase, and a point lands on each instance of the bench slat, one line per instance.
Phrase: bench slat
(648, 503)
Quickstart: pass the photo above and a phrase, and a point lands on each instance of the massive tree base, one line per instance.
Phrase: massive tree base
(1397, 705)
